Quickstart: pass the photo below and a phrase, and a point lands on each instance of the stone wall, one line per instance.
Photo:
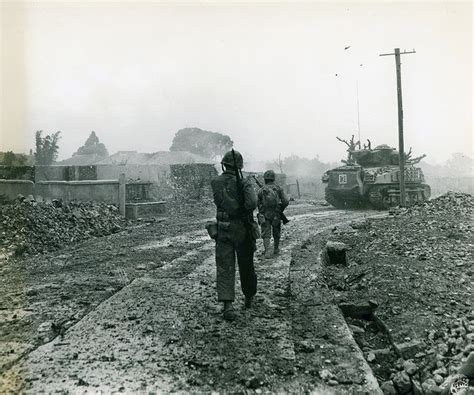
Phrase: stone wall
(139, 192)
(157, 175)
(102, 191)
(107, 191)
(10, 189)
(87, 173)
(165, 181)
(66, 173)
(51, 173)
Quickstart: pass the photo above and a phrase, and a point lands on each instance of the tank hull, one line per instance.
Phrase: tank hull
(355, 187)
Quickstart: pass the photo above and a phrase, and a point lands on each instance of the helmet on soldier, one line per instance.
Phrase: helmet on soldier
(269, 175)
(228, 159)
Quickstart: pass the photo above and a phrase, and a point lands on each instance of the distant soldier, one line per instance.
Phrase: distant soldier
(272, 201)
(235, 200)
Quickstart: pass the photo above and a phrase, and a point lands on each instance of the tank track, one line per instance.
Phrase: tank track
(337, 202)
(384, 197)
(378, 198)
(333, 200)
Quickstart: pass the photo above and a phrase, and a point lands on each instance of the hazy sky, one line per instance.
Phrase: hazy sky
(274, 76)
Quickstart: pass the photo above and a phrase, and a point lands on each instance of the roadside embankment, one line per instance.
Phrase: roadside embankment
(414, 268)
(324, 344)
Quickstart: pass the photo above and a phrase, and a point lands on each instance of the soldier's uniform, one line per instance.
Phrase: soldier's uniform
(269, 214)
(234, 237)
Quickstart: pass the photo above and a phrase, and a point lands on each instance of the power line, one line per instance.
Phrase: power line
(401, 149)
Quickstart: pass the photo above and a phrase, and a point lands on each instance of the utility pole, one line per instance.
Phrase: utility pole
(358, 112)
(401, 148)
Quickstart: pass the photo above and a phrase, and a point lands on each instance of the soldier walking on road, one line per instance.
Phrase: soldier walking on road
(272, 201)
(235, 200)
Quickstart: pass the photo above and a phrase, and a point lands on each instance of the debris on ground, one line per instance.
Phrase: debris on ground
(29, 227)
(449, 202)
(154, 284)
(417, 264)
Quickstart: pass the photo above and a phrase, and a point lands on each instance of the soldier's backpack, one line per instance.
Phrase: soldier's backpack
(271, 198)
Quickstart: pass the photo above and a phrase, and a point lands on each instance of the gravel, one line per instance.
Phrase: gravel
(417, 264)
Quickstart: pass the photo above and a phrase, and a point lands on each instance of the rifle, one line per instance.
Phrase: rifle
(247, 218)
(283, 217)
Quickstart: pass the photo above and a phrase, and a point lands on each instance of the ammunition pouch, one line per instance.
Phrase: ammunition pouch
(235, 228)
(211, 228)
(233, 231)
(223, 226)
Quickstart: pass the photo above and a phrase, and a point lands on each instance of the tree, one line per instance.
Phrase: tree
(413, 161)
(46, 148)
(351, 146)
(9, 158)
(92, 146)
(201, 142)
(277, 164)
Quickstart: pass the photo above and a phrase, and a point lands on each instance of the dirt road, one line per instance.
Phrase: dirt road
(137, 312)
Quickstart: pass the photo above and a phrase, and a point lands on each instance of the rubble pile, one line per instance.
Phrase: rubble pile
(443, 362)
(417, 264)
(30, 227)
(449, 202)
(426, 230)
(453, 199)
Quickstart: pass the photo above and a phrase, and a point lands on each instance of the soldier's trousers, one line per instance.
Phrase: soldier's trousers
(226, 253)
(271, 227)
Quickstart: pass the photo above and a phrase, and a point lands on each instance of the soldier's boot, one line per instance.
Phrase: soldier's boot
(266, 247)
(276, 246)
(229, 313)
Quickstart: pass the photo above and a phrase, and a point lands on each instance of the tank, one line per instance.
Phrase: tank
(371, 177)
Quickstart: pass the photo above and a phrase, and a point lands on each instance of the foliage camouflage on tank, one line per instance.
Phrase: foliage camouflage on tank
(370, 177)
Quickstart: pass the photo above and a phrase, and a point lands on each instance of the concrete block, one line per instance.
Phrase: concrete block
(145, 210)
